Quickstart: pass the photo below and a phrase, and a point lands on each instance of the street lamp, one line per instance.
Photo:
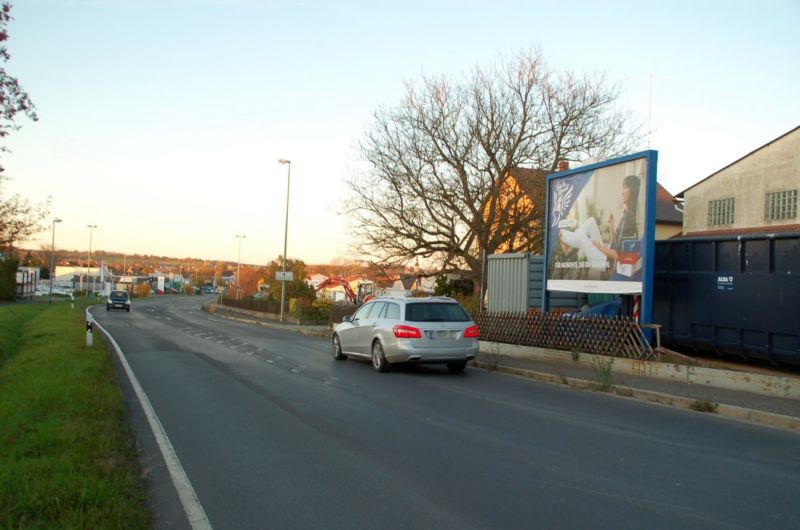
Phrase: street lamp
(52, 259)
(285, 234)
(89, 263)
(239, 264)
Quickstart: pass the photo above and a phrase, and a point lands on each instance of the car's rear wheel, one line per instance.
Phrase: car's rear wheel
(336, 349)
(379, 362)
(456, 367)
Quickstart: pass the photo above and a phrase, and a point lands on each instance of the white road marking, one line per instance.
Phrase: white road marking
(191, 504)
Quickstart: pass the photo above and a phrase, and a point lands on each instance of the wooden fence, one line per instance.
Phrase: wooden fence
(615, 336)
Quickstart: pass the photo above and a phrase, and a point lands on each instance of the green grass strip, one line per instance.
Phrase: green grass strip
(67, 456)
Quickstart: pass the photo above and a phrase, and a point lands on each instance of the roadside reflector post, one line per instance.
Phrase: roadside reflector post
(89, 335)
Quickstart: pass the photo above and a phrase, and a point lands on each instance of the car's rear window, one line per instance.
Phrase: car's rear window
(436, 312)
(118, 294)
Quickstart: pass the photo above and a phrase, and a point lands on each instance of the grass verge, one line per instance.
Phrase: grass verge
(67, 455)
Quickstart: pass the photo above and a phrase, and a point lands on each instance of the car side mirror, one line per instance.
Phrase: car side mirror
(347, 318)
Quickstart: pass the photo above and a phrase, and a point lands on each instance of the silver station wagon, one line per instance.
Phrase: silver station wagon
(389, 330)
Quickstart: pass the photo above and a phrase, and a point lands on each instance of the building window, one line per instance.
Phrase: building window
(780, 205)
(720, 212)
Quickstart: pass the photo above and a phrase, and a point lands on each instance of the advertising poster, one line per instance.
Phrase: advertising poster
(597, 230)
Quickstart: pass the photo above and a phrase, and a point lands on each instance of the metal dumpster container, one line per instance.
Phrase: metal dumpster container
(730, 294)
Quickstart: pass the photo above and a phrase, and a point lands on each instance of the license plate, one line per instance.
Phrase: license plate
(441, 334)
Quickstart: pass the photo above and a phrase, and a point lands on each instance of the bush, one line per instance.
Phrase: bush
(8, 279)
(456, 287)
(704, 405)
(142, 290)
(472, 302)
(306, 311)
(323, 304)
(311, 315)
(603, 367)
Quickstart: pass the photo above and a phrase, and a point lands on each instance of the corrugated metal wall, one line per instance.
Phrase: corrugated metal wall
(507, 283)
(515, 284)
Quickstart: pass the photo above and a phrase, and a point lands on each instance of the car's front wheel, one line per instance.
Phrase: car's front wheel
(336, 349)
(379, 362)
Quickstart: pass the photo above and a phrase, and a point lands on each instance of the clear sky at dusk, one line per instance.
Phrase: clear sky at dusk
(161, 121)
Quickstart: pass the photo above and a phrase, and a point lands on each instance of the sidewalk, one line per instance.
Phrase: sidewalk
(770, 400)
(762, 398)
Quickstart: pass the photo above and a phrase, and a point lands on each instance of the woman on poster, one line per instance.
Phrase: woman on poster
(625, 229)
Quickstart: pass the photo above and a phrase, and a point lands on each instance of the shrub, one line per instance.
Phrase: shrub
(142, 290)
(8, 279)
(311, 315)
(323, 304)
(443, 287)
(492, 357)
(472, 302)
(602, 369)
(704, 405)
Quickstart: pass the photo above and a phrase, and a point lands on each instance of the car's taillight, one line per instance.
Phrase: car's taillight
(471, 333)
(406, 332)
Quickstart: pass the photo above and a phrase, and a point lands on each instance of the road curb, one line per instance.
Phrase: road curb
(767, 419)
(765, 385)
(310, 333)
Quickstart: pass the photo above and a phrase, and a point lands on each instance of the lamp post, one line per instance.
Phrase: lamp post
(285, 234)
(239, 264)
(89, 263)
(52, 259)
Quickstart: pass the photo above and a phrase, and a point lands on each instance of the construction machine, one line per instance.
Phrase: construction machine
(366, 291)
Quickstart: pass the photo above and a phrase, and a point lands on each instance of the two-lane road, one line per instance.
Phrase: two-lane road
(273, 433)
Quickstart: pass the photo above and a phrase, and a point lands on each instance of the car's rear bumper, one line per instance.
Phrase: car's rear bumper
(407, 351)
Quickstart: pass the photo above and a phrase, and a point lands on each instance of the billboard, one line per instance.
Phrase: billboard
(601, 226)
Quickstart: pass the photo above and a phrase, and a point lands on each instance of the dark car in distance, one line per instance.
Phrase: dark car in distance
(118, 300)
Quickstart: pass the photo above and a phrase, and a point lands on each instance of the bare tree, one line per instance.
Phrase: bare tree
(19, 219)
(439, 164)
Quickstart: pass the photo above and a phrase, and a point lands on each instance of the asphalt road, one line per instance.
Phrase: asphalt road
(273, 433)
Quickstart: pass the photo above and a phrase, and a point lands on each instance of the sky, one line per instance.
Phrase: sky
(162, 121)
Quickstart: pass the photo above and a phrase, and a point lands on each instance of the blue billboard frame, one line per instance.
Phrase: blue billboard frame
(648, 254)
